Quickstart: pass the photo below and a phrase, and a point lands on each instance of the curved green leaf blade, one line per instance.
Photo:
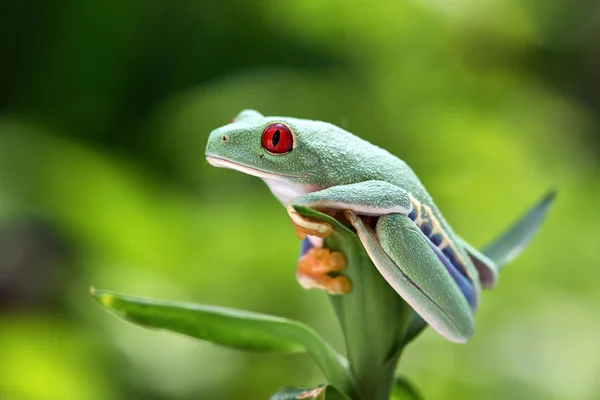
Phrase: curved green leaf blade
(513, 241)
(404, 390)
(415, 326)
(320, 393)
(234, 328)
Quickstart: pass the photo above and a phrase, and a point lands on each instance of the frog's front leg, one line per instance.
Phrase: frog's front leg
(369, 198)
(320, 268)
(306, 227)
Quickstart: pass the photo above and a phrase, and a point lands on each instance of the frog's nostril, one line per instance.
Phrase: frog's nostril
(225, 138)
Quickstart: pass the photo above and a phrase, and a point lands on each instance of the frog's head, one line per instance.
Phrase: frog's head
(272, 148)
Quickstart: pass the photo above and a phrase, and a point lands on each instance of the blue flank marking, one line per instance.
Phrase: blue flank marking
(305, 246)
(436, 239)
(413, 214)
(426, 229)
(464, 284)
(449, 253)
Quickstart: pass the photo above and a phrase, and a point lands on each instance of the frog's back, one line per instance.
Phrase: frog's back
(347, 159)
(364, 161)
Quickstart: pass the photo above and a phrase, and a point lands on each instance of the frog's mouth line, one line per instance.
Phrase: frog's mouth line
(224, 163)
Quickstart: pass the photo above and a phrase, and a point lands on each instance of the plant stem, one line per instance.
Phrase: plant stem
(372, 317)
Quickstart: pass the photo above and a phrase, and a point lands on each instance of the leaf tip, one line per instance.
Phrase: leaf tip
(106, 299)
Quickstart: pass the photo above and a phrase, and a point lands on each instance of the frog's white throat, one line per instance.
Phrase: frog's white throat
(285, 192)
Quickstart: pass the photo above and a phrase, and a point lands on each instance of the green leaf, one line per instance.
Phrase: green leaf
(234, 328)
(320, 393)
(415, 326)
(513, 241)
(404, 390)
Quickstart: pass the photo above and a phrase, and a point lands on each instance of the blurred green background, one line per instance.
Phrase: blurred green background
(105, 110)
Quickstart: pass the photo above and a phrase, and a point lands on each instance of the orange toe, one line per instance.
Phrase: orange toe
(315, 266)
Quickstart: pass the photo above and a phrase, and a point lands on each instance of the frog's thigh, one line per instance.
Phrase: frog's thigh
(406, 261)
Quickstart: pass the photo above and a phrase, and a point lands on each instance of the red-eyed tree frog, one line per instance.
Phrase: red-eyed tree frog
(319, 165)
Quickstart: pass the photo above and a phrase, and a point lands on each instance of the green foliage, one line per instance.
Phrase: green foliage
(234, 328)
(376, 323)
(404, 390)
(511, 243)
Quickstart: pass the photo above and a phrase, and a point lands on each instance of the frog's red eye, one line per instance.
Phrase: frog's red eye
(277, 139)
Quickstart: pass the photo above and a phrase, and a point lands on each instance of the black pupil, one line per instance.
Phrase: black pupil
(275, 138)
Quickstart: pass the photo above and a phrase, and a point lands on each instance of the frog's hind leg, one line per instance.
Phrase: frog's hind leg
(406, 260)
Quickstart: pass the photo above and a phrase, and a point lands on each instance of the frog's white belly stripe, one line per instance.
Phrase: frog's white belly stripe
(316, 241)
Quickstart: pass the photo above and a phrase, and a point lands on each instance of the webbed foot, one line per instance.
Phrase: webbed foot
(315, 267)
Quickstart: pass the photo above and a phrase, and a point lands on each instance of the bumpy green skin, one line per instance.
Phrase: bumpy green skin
(328, 157)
